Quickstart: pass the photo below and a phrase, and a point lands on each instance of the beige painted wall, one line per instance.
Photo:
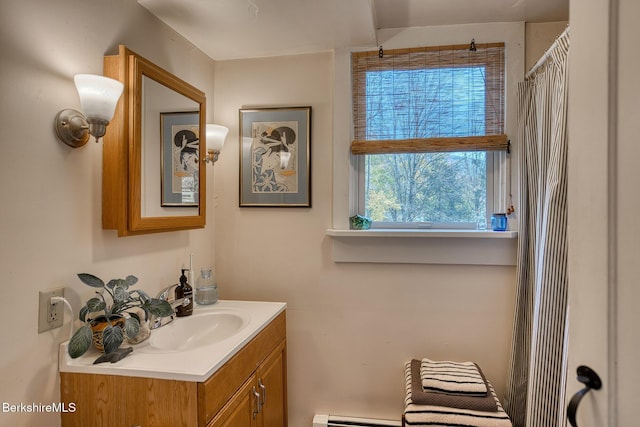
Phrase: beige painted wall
(50, 214)
(350, 326)
(539, 36)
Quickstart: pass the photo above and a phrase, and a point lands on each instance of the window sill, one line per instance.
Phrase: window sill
(388, 232)
(452, 247)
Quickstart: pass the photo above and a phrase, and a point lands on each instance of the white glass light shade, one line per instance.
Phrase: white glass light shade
(285, 156)
(216, 136)
(98, 95)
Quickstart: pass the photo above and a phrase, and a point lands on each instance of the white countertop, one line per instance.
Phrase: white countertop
(195, 364)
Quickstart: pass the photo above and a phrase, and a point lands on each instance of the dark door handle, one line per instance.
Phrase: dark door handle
(591, 380)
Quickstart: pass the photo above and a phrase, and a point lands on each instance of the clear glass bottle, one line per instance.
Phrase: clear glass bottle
(206, 287)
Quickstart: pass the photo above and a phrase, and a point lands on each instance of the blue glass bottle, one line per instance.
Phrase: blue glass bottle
(499, 222)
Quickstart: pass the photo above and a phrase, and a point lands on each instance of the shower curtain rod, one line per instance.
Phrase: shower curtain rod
(546, 55)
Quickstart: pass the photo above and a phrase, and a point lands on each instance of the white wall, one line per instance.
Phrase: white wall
(350, 326)
(50, 214)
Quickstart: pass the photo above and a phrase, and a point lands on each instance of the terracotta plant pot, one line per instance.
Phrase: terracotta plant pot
(99, 323)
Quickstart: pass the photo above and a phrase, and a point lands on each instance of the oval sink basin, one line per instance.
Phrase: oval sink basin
(197, 330)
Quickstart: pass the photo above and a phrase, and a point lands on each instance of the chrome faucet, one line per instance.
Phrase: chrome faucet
(168, 294)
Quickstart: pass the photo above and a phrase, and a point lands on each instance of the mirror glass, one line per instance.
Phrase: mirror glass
(170, 152)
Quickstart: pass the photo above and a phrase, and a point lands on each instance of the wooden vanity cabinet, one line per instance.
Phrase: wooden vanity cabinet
(250, 390)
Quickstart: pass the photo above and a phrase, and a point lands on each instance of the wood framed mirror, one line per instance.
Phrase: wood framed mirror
(153, 176)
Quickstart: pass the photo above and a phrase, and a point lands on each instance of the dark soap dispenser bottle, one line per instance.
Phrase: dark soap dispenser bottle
(184, 290)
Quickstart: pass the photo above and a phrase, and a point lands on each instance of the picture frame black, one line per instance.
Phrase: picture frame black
(275, 157)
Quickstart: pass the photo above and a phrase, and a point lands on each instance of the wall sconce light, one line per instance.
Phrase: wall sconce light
(216, 136)
(285, 156)
(99, 96)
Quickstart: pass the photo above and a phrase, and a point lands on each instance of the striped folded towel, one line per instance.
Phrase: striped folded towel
(452, 377)
(431, 415)
(420, 397)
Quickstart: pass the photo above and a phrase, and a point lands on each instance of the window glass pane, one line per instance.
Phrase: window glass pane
(426, 187)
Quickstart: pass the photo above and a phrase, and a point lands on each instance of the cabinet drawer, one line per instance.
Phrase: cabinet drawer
(221, 386)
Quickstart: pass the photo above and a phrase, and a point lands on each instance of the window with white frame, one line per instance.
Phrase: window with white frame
(427, 122)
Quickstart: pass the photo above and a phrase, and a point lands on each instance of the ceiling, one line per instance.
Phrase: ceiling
(233, 29)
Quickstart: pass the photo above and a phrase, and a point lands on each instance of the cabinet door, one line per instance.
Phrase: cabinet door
(272, 385)
(241, 410)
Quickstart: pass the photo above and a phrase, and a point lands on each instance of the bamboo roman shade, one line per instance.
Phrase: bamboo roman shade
(440, 98)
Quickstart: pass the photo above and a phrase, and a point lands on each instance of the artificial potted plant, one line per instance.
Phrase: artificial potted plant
(103, 318)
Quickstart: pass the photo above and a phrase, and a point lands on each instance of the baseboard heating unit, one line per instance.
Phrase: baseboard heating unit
(320, 420)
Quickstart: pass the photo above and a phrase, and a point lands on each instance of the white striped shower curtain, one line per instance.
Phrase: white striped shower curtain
(535, 392)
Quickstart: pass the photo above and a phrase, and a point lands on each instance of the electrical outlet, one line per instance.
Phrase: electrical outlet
(50, 316)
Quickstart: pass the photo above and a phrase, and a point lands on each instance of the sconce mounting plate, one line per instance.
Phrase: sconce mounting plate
(72, 128)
